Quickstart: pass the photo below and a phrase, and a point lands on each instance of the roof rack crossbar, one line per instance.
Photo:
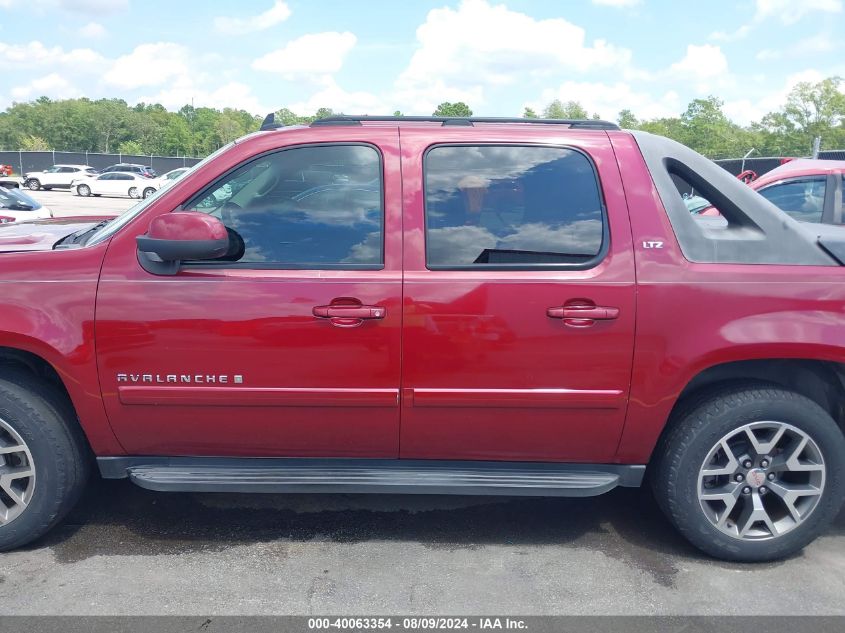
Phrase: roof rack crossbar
(588, 124)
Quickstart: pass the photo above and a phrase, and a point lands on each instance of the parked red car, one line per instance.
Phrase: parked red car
(808, 190)
(475, 306)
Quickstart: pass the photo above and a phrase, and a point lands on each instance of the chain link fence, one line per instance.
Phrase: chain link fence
(23, 162)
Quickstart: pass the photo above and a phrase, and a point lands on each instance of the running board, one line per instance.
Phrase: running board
(295, 475)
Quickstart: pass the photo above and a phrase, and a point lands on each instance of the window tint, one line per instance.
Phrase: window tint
(309, 207)
(510, 206)
(802, 199)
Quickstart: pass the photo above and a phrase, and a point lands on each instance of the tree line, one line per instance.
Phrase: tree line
(111, 125)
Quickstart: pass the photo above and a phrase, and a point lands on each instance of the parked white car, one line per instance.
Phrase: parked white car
(57, 176)
(115, 183)
(15, 206)
(172, 176)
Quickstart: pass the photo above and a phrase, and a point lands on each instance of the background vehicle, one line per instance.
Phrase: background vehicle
(115, 183)
(170, 177)
(56, 177)
(808, 190)
(502, 307)
(132, 168)
(7, 179)
(15, 205)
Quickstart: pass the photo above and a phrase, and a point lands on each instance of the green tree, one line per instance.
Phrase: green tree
(528, 113)
(569, 110)
(627, 120)
(811, 110)
(457, 109)
(133, 148)
(32, 143)
(397, 113)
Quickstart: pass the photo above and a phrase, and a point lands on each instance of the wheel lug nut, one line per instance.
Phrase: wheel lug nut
(739, 477)
(747, 464)
(746, 490)
(771, 476)
(764, 463)
(763, 490)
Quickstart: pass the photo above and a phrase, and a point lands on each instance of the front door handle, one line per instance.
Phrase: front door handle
(582, 314)
(348, 314)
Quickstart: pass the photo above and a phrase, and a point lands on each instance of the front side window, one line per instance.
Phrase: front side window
(307, 207)
(510, 206)
(803, 199)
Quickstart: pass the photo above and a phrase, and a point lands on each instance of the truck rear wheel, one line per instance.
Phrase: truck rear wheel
(43, 458)
(751, 472)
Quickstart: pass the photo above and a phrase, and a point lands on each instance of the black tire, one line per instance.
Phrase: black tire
(33, 184)
(148, 192)
(42, 416)
(697, 427)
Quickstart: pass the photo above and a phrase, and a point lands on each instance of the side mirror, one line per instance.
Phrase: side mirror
(174, 237)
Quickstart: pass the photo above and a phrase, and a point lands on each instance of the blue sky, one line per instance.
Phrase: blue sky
(376, 56)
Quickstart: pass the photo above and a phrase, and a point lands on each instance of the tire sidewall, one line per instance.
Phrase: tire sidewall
(812, 420)
(50, 485)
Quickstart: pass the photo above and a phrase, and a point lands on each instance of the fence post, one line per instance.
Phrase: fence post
(20, 161)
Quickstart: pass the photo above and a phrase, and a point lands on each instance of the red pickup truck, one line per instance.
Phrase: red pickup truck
(422, 305)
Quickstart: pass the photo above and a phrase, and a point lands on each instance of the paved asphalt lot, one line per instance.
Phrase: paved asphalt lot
(64, 203)
(129, 551)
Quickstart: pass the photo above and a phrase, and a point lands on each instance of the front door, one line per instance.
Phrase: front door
(288, 345)
(519, 297)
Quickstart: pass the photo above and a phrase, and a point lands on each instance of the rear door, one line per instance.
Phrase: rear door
(519, 296)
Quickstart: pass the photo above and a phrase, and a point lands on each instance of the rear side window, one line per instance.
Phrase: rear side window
(803, 198)
(492, 206)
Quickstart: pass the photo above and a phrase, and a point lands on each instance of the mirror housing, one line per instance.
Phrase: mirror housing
(174, 237)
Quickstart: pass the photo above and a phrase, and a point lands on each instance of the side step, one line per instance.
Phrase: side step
(296, 475)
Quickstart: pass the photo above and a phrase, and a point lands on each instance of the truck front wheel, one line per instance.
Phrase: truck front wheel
(751, 472)
(43, 458)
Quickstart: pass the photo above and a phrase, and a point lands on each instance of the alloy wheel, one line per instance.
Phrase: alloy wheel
(17, 474)
(761, 480)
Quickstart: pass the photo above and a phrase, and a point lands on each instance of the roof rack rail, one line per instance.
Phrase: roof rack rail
(583, 124)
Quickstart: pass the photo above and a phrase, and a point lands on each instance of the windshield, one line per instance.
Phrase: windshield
(13, 199)
(127, 216)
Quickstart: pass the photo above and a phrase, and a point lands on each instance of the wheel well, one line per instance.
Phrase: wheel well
(37, 366)
(820, 381)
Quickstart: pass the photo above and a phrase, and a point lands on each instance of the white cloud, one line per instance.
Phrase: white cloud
(230, 95)
(53, 85)
(701, 62)
(479, 45)
(6, 4)
(790, 11)
(821, 43)
(746, 110)
(149, 65)
(616, 3)
(309, 55)
(787, 11)
(331, 95)
(92, 30)
(276, 14)
(25, 56)
(609, 99)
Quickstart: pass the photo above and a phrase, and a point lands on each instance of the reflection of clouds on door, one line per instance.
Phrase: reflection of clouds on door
(582, 237)
(366, 252)
(458, 244)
